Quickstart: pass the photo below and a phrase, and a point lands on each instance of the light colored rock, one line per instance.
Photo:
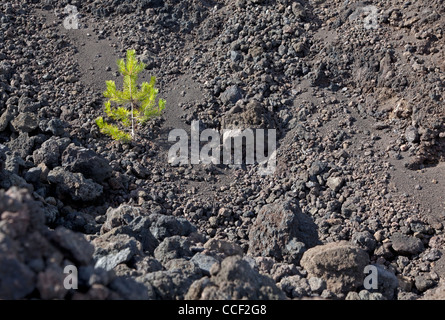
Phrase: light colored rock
(340, 264)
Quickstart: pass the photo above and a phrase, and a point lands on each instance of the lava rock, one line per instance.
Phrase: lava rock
(340, 264)
(50, 151)
(74, 185)
(277, 230)
(365, 240)
(234, 279)
(335, 183)
(119, 216)
(231, 95)
(163, 226)
(223, 248)
(412, 134)
(172, 283)
(172, 248)
(75, 243)
(25, 122)
(110, 261)
(204, 262)
(406, 245)
(89, 163)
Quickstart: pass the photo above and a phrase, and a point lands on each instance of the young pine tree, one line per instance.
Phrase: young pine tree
(134, 105)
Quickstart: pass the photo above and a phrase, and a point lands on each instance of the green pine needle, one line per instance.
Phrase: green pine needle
(133, 104)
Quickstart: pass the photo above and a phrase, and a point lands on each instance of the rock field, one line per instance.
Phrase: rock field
(354, 90)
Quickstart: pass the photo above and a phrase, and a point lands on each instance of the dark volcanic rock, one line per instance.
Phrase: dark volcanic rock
(87, 162)
(166, 226)
(74, 185)
(282, 231)
(173, 248)
(33, 257)
(234, 279)
(406, 245)
(50, 151)
(231, 95)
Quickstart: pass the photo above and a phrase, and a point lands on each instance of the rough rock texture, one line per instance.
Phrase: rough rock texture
(406, 245)
(33, 257)
(87, 162)
(74, 185)
(282, 231)
(354, 90)
(340, 264)
(234, 279)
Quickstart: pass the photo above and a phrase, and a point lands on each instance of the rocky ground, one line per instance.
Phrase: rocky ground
(359, 113)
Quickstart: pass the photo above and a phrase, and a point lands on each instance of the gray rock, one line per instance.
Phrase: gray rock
(25, 104)
(112, 260)
(74, 185)
(50, 151)
(412, 134)
(56, 127)
(147, 264)
(172, 248)
(169, 285)
(3, 151)
(406, 245)
(204, 262)
(231, 95)
(223, 248)
(424, 282)
(33, 175)
(119, 216)
(23, 144)
(163, 226)
(317, 284)
(113, 242)
(252, 116)
(33, 257)
(235, 56)
(366, 295)
(348, 207)
(17, 279)
(139, 229)
(387, 282)
(340, 264)
(365, 240)
(335, 183)
(89, 163)
(234, 279)
(295, 286)
(10, 113)
(174, 282)
(25, 122)
(6, 69)
(352, 295)
(80, 250)
(277, 230)
(129, 289)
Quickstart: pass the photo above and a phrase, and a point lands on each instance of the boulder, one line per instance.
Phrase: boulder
(340, 264)
(74, 185)
(282, 231)
(87, 162)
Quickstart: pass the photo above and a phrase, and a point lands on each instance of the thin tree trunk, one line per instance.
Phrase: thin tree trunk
(132, 121)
